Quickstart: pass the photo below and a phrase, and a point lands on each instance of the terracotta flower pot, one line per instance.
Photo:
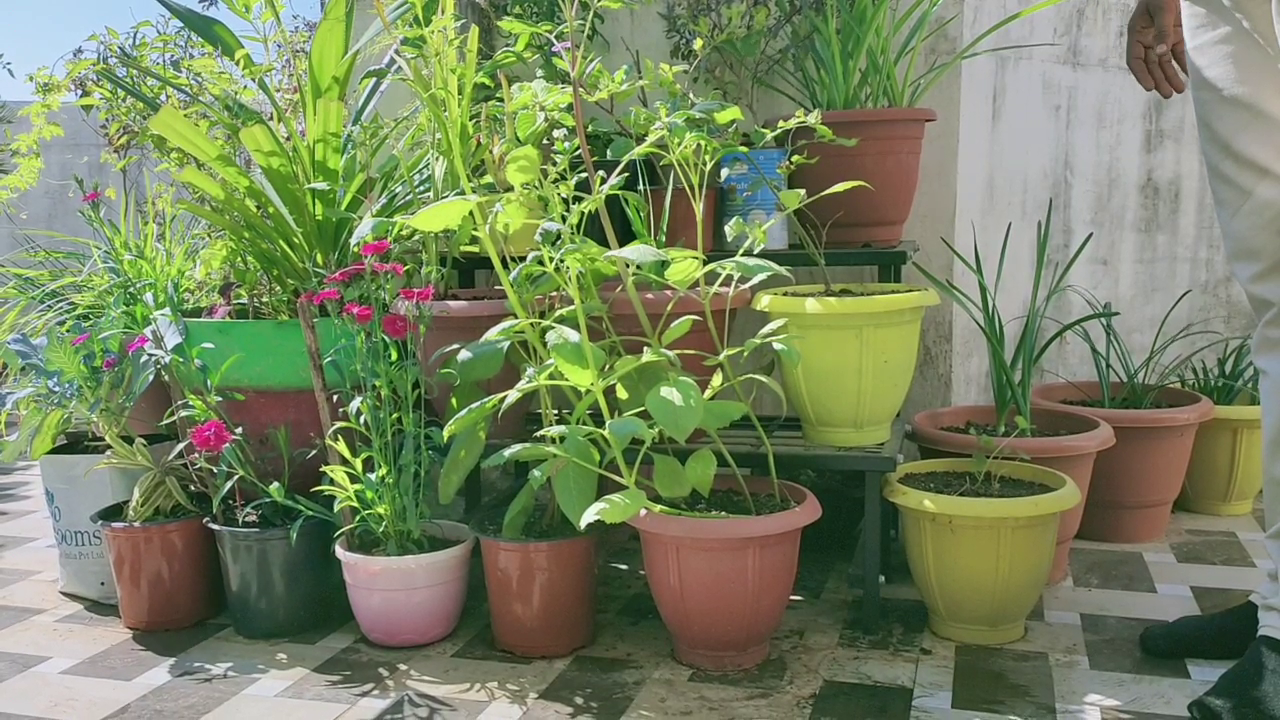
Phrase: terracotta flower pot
(166, 572)
(1072, 455)
(149, 411)
(722, 584)
(681, 218)
(542, 594)
(1135, 481)
(887, 157)
(461, 321)
(675, 304)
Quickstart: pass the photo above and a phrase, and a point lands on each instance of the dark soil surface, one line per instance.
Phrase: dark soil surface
(93, 445)
(1095, 403)
(733, 502)
(972, 484)
(850, 292)
(1010, 429)
(536, 528)
(432, 543)
(496, 295)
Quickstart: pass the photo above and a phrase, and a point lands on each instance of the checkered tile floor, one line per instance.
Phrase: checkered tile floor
(62, 659)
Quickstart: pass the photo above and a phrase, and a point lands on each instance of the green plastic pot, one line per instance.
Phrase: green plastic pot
(276, 588)
(266, 355)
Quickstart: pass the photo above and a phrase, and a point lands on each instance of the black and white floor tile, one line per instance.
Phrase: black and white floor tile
(65, 660)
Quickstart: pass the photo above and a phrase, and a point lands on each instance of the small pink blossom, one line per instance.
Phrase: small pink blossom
(362, 314)
(382, 268)
(307, 296)
(345, 275)
(221, 312)
(211, 437)
(419, 295)
(395, 326)
(80, 340)
(327, 295)
(137, 344)
(375, 248)
(110, 362)
(92, 197)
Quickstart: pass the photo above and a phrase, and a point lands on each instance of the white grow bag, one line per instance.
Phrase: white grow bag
(74, 489)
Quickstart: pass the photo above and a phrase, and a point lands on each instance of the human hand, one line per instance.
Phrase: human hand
(1155, 44)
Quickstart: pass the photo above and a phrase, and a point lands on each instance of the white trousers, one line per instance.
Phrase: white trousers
(1234, 60)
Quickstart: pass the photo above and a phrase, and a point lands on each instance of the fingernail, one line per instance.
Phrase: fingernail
(1162, 49)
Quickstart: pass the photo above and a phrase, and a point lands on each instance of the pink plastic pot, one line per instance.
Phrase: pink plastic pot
(412, 600)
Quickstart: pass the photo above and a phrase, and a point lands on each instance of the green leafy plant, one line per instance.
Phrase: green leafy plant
(1014, 356)
(166, 490)
(1128, 381)
(1231, 379)
(871, 53)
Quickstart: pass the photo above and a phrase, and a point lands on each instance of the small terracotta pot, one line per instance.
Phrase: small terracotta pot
(682, 220)
(722, 584)
(149, 411)
(463, 321)
(166, 573)
(1135, 481)
(1072, 455)
(542, 594)
(887, 157)
(675, 304)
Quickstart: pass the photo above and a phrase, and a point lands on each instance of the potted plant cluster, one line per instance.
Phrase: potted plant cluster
(1063, 440)
(1224, 475)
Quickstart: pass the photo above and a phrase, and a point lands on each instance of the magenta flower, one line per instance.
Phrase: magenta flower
(345, 275)
(375, 248)
(362, 314)
(419, 295)
(137, 344)
(326, 295)
(80, 340)
(92, 197)
(382, 268)
(211, 437)
(395, 326)
(110, 362)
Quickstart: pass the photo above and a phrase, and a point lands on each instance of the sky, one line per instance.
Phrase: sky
(34, 33)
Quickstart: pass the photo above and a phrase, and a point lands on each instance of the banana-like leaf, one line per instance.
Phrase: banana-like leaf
(213, 31)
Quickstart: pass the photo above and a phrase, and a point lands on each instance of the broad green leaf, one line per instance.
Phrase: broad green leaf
(720, 414)
(330, 62)
(669, 478)
(520, 452)
(560, 335)
(678, 329)
(524, 166)
(615, 508)
(575, 483)
(475, 414)
(683, 272)
(700, 470)
(443, 215)
(480, 360)
(677, 406)
(213, 31)
(572, 360)
(730, 114)
(464, 453)
(519, 512)
(625, 429)
(638, 254)
(791, 198)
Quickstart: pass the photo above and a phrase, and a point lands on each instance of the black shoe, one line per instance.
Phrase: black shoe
(1224, 635)
(1250, 690)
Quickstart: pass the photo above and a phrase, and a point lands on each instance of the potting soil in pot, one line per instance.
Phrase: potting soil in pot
(971, 484)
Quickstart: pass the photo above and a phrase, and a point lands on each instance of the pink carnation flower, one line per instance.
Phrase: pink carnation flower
(137, 344)
(80, 340)
(377, 247)
(419, 295)
(395, 326)
(327, 295)
(211, 437)
(382, 268)
(362, 314)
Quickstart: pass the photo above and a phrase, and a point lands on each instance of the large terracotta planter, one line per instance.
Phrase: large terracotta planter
(166, 572)
(682, 219)
(722, 585)
(542, 594)
(1072, 455)
(148, 413)
(674, 304)
(411, 600)
(1224, 476)
(887, 157)
(980, 563)
(1135, 481)
(458, 321)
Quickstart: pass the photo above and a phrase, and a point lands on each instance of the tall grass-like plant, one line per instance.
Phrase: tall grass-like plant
(1140, 378)
(1231, 379)
(872, 53)
(1013, 357)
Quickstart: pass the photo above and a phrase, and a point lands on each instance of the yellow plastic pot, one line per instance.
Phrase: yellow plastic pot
(857, 357)
(1224, 476)
(980, 563)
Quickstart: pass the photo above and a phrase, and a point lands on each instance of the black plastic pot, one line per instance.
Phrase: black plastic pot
(634, 180)
(277, 588)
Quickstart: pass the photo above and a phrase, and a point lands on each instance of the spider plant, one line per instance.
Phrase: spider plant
(167, 489)
(1232, 378)
(867, 54)
(1127, 381)
(1014, 356)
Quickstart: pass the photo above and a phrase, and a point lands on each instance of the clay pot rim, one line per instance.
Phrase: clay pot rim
(450, 531)
(144, 527)
(535, 544)
(1198, 408)
(926, 429)
(1065, 496)
(466, 307)
(805, 513)
(263, 534)
(776, 300)
(890, 114)
(1238, 413)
